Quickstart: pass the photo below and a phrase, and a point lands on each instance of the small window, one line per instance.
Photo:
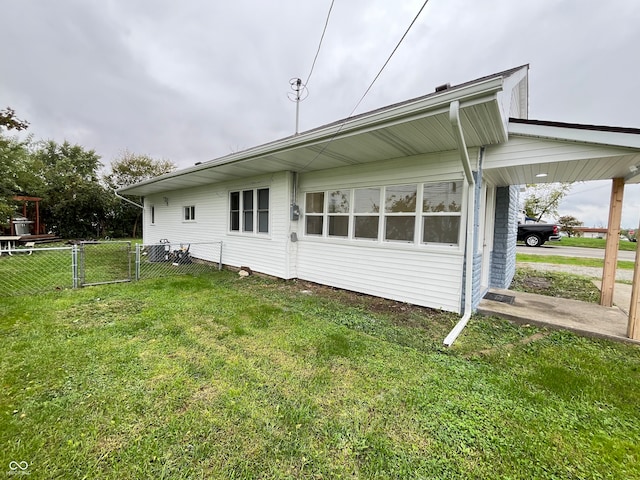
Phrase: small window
(234, 218)
(190, 213)
(247, 211)
(400, 209)
(263, 210)
(338, 208)
(441, 212)
(153, 214)
(366, 213)
(314, 213)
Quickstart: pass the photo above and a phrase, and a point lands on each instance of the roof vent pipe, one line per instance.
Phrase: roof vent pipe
(442, 88)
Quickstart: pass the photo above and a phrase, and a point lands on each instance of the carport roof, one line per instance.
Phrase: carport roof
(542, 151)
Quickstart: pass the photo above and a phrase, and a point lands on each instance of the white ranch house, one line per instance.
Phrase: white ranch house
(399, 202)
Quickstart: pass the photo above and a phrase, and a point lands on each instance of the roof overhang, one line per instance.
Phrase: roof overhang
(544, 152)
(409, 128)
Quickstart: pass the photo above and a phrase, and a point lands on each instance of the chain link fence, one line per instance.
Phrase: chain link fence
(31, 270)
(25, 271)
(166, 259)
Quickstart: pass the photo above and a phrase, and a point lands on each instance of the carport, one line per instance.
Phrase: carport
(547, 152)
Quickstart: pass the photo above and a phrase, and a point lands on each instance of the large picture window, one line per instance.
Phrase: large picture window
(427, 213)
(249, 211)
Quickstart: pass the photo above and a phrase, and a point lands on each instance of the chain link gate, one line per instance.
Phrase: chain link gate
(98, 263)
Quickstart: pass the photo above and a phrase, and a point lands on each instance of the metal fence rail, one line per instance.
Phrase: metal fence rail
(32, 270)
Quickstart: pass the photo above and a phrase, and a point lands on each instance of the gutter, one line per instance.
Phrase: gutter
(454, 118)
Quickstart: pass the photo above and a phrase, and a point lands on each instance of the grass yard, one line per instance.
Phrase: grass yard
(555, 284)
(595, 243)
(578, 261)
(220, 377)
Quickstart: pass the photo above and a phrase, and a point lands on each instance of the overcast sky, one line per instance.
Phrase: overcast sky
(197, 79)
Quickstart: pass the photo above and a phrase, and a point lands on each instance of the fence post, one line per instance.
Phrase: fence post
(220, 259)
(138, 249)
(74, 265)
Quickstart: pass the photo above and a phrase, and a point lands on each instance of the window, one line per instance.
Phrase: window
(263, 210)
(338, 210)
(189, 213)
(441, 212)
(153, 214)
(234, 220)
(420, 213)
(249, 211)
(314, 213)
(366, 217)
(400, 212)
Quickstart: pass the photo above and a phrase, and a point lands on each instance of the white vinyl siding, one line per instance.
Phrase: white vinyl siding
(368, 260)
(266, 253)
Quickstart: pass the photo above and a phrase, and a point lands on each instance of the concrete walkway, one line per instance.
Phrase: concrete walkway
(587, 319)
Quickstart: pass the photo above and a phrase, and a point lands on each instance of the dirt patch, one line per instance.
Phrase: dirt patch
(400, 313)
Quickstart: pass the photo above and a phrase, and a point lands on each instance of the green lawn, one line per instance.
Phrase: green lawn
(577, 261)
(594, 243)
(220, 377)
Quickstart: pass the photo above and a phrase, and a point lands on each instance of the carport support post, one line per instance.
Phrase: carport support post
(633, 327)
(613, 239)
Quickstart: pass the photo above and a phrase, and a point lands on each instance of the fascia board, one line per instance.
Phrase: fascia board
(614, 139)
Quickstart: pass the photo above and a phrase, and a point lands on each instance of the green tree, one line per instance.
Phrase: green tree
(75, 203)
(568, 224)
(543, 199)
(15, 174)
(130, 168)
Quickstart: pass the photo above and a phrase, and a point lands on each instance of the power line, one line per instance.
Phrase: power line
(320, 44)
(368, 88)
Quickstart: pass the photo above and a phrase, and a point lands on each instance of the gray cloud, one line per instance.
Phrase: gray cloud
(190, 81)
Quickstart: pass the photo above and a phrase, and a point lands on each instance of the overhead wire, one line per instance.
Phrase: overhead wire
(368, 88)
(324, 30)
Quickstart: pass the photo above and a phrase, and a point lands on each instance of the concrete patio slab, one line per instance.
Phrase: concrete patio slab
(587, 319)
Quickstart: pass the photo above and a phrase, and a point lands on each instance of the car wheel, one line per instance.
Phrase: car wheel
(532, 240)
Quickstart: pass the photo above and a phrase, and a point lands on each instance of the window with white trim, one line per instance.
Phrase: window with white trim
(441, 212)
(400, 213)
(153, 214)
(249, 211)
(314, 213)
(189, 213)
(338, 213)
(366, 217)
(422, 213)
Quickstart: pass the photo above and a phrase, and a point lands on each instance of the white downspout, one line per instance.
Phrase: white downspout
(454, 118)
(127, 200)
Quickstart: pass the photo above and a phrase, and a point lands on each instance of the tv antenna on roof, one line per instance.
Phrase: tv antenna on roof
(300, 92)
